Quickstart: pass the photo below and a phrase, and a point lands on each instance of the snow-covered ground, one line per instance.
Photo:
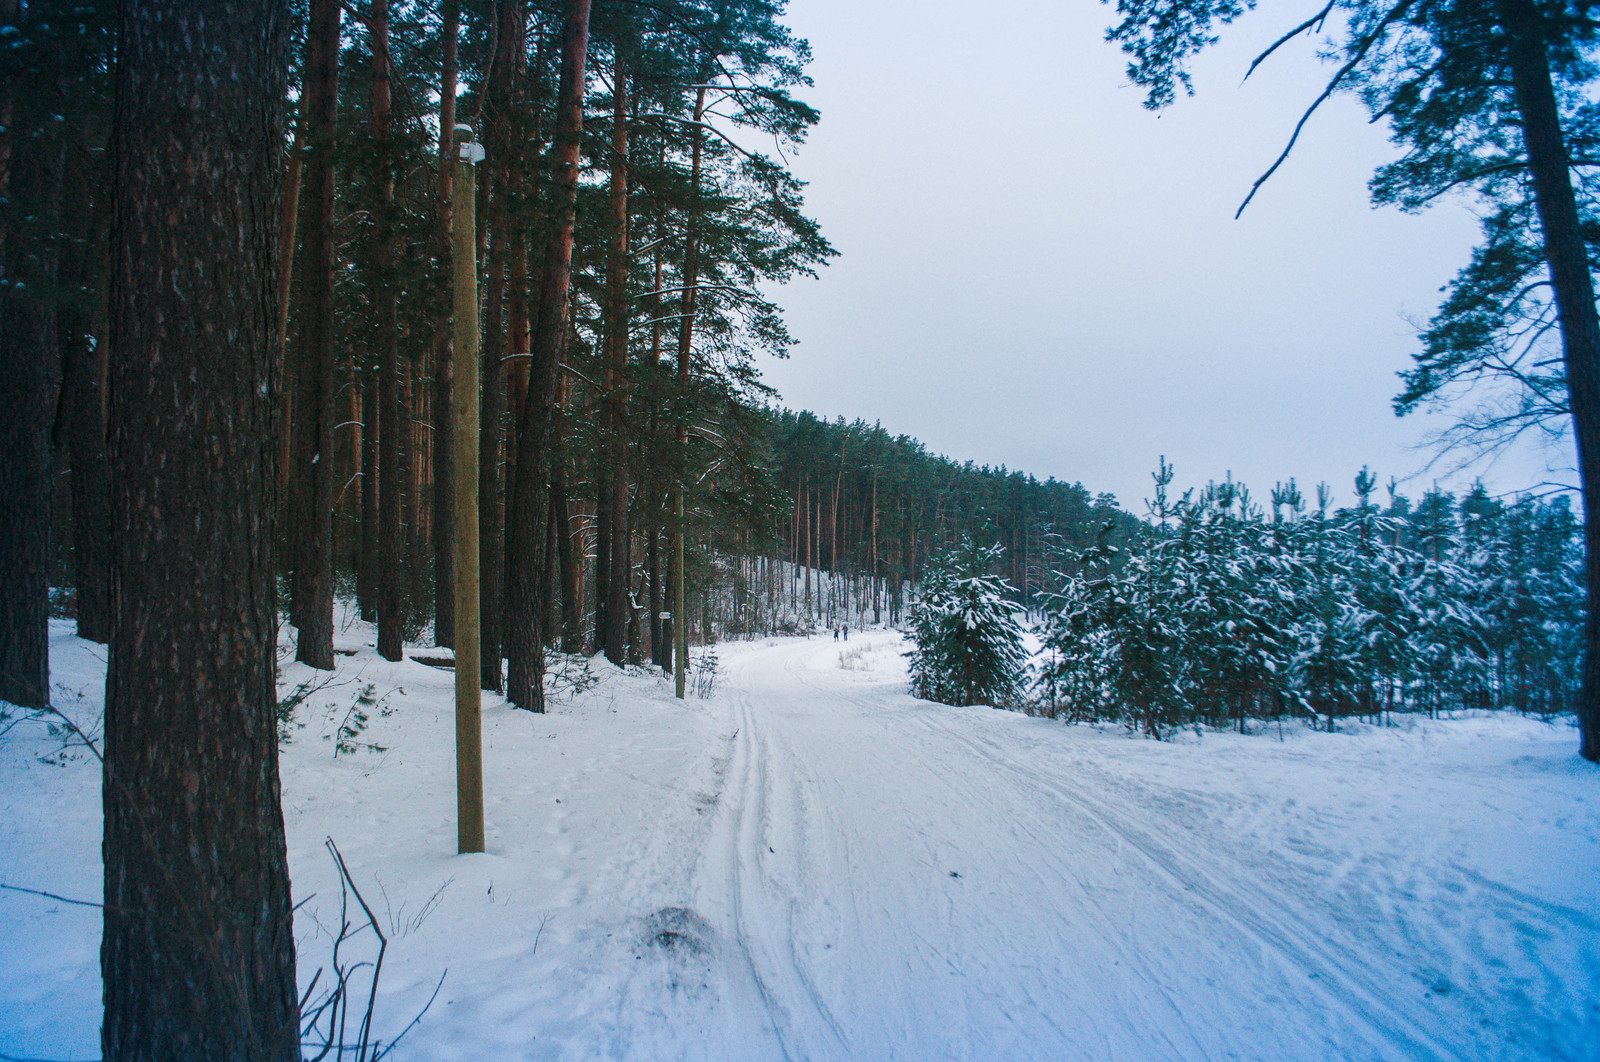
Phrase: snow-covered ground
(809, 864)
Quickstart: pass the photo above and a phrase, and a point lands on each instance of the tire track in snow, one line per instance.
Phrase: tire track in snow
(736, 893)
(1357, 989)
(991, 1003)
(1335, 967)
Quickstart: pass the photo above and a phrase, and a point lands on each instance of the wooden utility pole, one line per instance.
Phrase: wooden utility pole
(464, 451)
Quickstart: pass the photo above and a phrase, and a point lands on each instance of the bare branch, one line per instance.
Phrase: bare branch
(702, 287)
(1314, 22)
(50, 895)
(1362, 49)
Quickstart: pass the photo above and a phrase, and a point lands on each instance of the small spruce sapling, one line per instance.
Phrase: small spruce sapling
(969, 646)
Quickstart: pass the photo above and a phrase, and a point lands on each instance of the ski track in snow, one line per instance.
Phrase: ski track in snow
(812, 865)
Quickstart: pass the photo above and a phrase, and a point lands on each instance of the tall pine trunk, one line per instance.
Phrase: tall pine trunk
(391, 470)
(311, 484)
(364, 377)
(31, 154)
(660, 646)
(1573, 287)
(502, 154)
(80, 416)
(444, 480)
(615, 403)
(691, 275)
(566, 558)
(197, 953)
(288, 220)
(525, 687)
(492, 398)
(27, 370)
(516, 362)
(83, 398)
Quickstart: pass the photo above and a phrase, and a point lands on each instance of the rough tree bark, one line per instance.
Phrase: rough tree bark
(80, 411)
(491, 506)
(497, 141)
(30, 187)
(567, 566)
(444, 569)
(660, 650)
(364, 379)
(82, 398)
(288, 217)
(27, 340)
(691, 298)
(516, 358)
(197, 953)
(525, 687)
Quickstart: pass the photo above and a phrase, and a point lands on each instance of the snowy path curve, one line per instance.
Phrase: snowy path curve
(896, 879)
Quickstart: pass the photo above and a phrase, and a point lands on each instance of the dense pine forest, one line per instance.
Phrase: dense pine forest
(624, 231)
(651, 396)
(862, 504)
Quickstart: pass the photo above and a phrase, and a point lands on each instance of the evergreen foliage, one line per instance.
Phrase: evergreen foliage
(969, 647)
(1439, 74)
(1226, 612)
(1494, 100)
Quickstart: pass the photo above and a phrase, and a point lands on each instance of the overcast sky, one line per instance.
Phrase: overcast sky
(1037, 272)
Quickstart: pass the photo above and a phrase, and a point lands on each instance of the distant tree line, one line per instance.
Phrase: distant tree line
(836, 524)
(864, 504)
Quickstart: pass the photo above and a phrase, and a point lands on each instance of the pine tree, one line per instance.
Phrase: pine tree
(969, 647)
(311, 486)
(30, 195)
(1491, 97)
(197, 953)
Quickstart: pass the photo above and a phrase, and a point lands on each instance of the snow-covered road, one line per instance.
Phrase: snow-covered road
(905, 880)
(811, 864)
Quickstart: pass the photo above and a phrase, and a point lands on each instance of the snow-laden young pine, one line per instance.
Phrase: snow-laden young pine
(1224, 612)
(969, 647)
